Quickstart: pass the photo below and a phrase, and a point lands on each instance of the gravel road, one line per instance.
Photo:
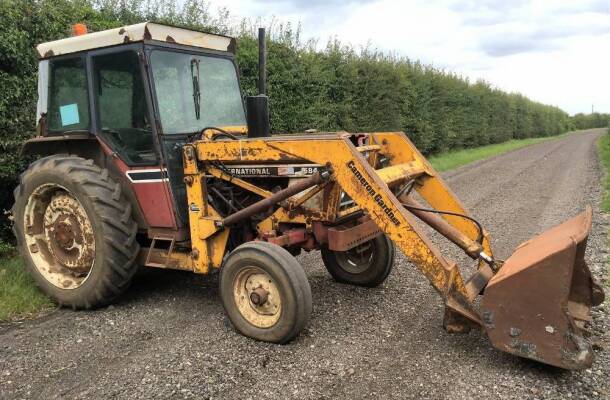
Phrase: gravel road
(169, 337)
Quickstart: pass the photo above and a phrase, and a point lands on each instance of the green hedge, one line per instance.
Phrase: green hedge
(588, 121)
(334, 89)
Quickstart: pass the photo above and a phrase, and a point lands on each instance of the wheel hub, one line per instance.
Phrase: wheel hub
(68, 233)
(358, 259)
(64, 235)
(257, 297)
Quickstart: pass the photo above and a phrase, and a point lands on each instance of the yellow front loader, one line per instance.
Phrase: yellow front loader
(535, 304)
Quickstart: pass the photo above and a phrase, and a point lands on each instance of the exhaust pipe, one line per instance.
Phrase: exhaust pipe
(257, 107)
(262, 63)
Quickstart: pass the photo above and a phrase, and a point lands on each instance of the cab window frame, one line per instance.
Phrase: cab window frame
(137, 48)
(152, 45)
(92, 120)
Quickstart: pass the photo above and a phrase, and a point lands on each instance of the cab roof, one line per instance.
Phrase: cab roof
(145, 31)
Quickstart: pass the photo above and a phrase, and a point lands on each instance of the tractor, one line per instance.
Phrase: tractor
(149, 155)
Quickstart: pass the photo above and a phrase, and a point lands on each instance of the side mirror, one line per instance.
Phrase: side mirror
(257, 109)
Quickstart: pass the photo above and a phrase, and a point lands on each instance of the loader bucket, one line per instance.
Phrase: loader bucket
(537, 304)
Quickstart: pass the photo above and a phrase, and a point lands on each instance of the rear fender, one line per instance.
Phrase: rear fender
(86, 146)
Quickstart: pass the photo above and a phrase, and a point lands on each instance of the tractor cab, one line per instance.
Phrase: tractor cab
(140, 91)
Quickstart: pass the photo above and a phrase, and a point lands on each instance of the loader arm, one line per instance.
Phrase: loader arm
(432, 188)
(368, 188)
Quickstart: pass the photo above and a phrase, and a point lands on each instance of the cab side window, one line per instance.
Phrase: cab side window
(121, 106)
(68, 108)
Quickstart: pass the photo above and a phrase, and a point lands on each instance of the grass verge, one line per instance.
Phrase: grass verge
(19, 296)
(453, 159)
(603, 148)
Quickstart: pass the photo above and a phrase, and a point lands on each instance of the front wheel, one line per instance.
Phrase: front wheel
(265, 292)
(367, 264)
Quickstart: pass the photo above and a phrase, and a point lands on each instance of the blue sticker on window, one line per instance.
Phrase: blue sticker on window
(69, 114)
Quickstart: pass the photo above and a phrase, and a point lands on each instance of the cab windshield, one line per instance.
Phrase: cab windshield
(195, 92)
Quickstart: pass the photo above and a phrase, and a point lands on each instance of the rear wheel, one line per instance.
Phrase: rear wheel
(367, 264)
(265, 292)
(75, 231)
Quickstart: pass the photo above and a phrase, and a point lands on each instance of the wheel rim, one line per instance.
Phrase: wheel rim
(358, 259)
(59, 236)
(257, 297)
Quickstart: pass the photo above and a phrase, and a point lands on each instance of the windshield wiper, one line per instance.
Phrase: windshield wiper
(196, 87)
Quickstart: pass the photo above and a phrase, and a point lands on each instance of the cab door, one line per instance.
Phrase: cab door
(123, 123)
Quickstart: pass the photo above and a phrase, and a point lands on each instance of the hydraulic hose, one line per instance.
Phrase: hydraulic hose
(473, 248)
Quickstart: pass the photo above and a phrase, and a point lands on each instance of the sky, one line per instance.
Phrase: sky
(555, 52)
